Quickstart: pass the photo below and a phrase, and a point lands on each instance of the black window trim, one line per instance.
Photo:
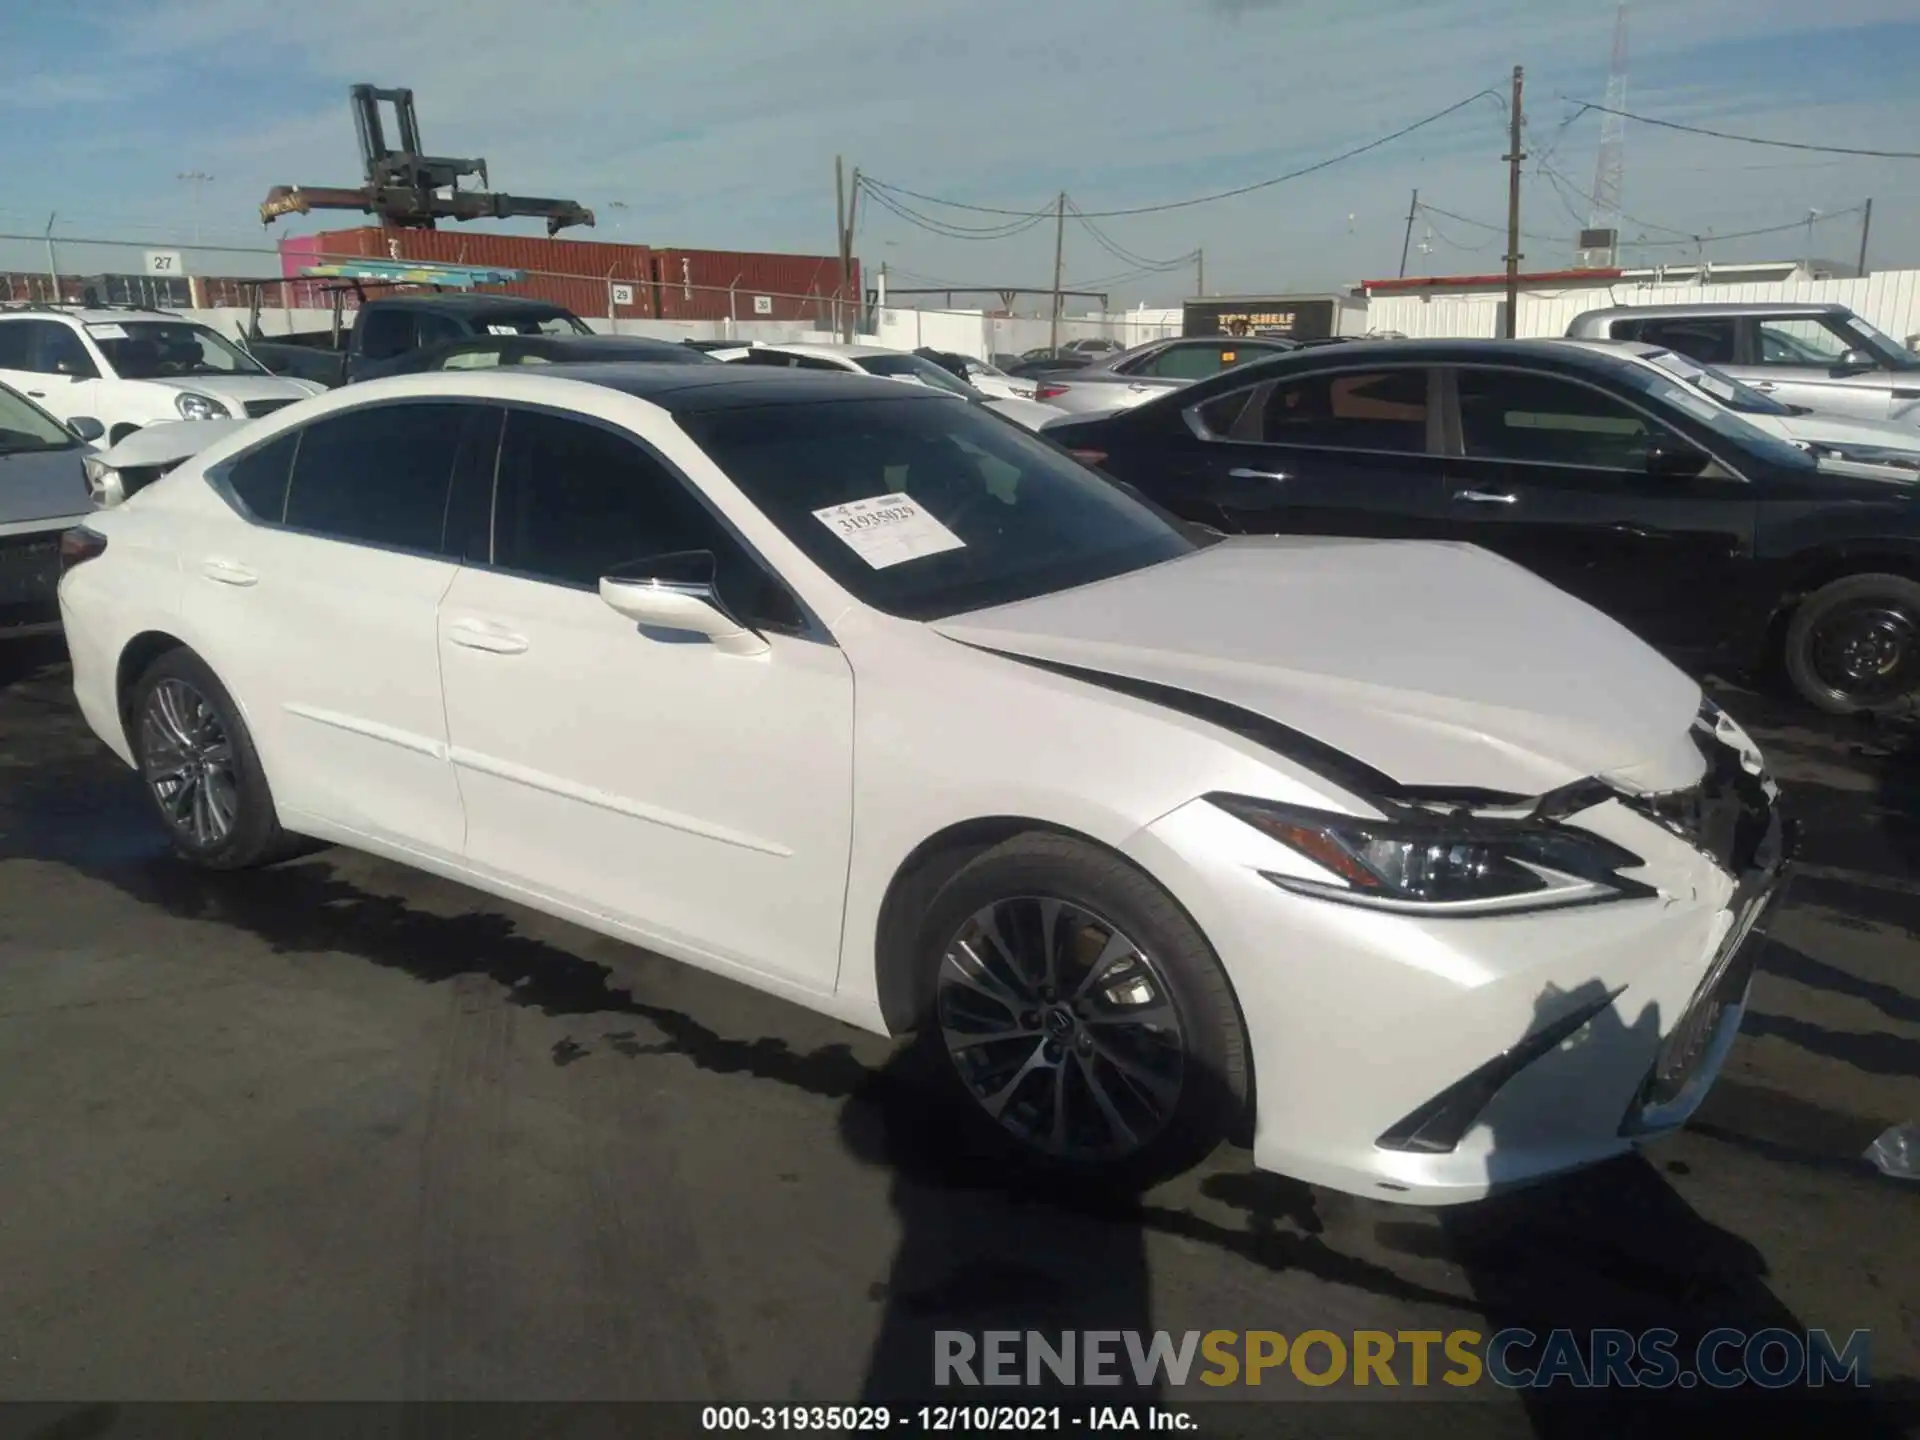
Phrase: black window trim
(811, 628)
(1456, 437)
(1436, 410)
(217, 477)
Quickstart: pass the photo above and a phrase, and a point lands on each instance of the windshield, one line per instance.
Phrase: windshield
(1896, 355)
(1725, 423)
(1724, 388)
(925, 509)
(160, 349)
(916, 367)
(25, 426)
(515, 322)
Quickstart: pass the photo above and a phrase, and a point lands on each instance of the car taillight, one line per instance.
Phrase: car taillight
(1047, 392)
(1089, 457)
(79, 545)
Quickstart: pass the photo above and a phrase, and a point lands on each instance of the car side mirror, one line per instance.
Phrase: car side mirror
(86, 427)
(1671, 460)
(1858, 360)
(677, 592)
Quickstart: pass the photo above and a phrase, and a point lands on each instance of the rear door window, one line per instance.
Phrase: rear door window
(379, 476)
(1342, 410)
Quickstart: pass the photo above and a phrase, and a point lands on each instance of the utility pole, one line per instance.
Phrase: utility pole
(1866, 227)
(840, 240)
(53, 264)
(197, 179)
(1407, 243)
(858, 302)
(1059, 255)
(1513, 159)
(1200, 273)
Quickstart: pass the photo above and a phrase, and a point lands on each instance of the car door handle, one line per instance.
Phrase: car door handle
(37, 394)
(478, 635)
(1246, 474)
(1486, 497)
(226, 572)
(1765, 387)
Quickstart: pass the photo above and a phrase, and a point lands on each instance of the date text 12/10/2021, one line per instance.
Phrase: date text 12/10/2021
(943, 1419)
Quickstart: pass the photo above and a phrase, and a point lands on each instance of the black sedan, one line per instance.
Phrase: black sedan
(1709, 537)
(484, 352)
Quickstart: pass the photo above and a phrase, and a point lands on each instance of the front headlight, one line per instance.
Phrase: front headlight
(193, 406)
(1442, 865)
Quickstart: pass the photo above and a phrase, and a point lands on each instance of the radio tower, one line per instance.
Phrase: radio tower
(1611, 164)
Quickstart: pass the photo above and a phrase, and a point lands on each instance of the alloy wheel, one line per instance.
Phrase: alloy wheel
(187, 759)
(1867, 652)
(1061, 1028)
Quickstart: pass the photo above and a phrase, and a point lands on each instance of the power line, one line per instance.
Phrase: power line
(1747, 139)
(1496, 229)
(1556, 179)
(949, 230)
(1204, 199)
(1120, 252)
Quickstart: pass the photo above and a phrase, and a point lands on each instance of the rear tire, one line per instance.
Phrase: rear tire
(1098, 1041)
(1853, 646)
(199, 768)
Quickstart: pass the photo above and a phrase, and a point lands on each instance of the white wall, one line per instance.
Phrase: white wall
(965, 332)
(1889, 299)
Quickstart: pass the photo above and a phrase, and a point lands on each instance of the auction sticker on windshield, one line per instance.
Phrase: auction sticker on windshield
(888, 530)
(107, 332)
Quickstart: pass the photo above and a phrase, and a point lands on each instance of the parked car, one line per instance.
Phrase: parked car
(706, 346)
(890, 365)
(989, 380)
(1841, 437)
(877, 703)
(1096, 346)
(43, 493)
(130, 368)
(1821, 356)
(1036, 363)
(389, 330)
(144, 456)
(1140, 374)
(1631, 490)
(325, 368)
(485, 352)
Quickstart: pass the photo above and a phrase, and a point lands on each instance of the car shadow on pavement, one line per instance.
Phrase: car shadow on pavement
(1611, 1247)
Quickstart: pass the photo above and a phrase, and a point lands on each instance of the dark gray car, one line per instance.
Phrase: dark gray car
(1824, 357)
(43, 492)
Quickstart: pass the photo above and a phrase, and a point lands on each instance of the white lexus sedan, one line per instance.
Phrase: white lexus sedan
(1416, 872)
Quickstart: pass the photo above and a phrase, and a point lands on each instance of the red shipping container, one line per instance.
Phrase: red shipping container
(747, 285)
(591, 278)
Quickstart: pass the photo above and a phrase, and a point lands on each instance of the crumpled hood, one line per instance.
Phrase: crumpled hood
(1437, 664)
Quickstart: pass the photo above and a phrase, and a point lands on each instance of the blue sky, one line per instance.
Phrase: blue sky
(714, 123)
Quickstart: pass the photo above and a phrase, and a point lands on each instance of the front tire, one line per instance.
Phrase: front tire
(1853, 646)
(199, 767)
(1082, 1014)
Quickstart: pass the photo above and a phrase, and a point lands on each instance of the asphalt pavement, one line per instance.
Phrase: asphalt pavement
(339, 1130)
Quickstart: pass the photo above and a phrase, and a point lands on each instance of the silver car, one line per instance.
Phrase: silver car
(1139, 374)
(43, 492)
(1822, 356)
